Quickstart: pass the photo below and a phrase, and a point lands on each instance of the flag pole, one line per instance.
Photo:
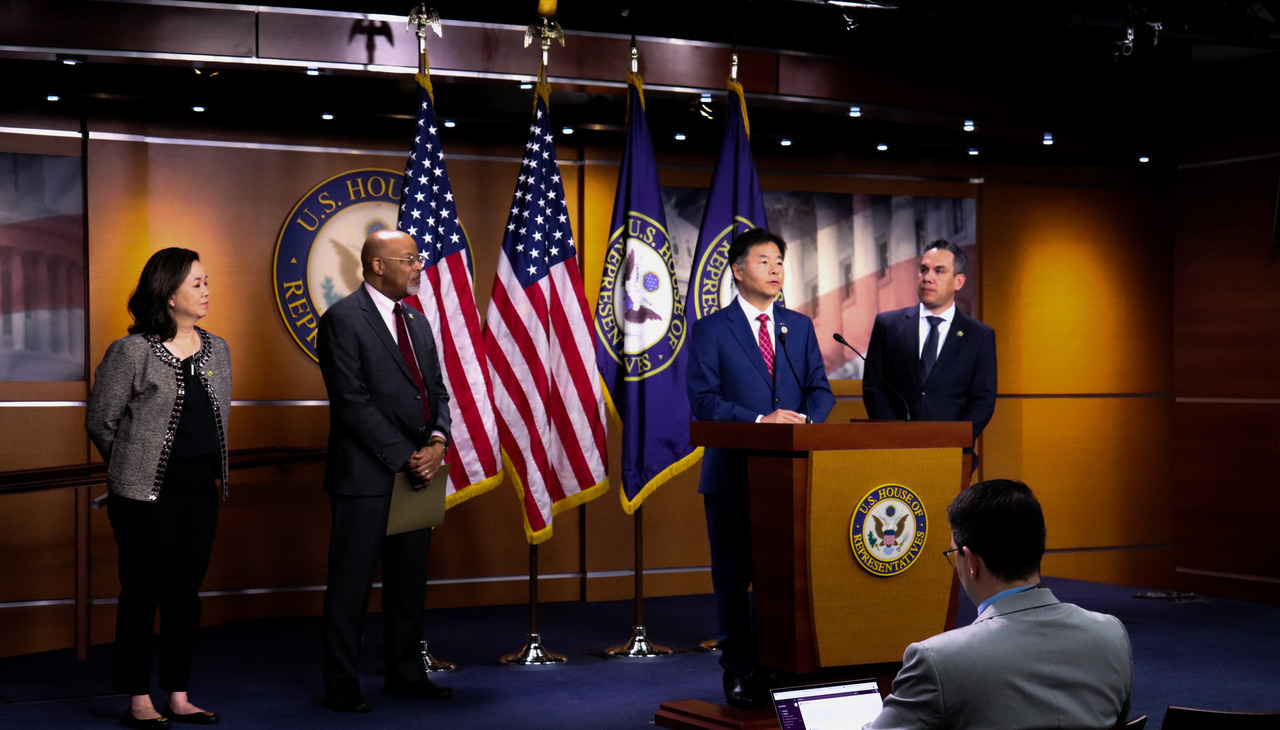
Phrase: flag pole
(533, 651)
(419, 18)
(639, 646)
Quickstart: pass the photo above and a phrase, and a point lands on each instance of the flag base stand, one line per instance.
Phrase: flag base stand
(435, 665)
(533, 653)
(639, 647)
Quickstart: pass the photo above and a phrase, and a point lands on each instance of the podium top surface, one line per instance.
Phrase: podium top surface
(833, 436)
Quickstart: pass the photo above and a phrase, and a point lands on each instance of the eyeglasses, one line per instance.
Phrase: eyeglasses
(947, 554)
(419, 260)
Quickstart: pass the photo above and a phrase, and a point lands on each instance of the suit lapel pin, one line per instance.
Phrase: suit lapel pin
(960, 333)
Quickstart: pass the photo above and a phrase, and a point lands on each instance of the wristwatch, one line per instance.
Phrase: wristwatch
(443, 443)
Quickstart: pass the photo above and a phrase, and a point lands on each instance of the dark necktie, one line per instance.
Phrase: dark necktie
(402, 337)
(929, 354)
(766, 342)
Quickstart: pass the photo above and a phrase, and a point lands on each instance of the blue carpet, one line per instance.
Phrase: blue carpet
(265, 673)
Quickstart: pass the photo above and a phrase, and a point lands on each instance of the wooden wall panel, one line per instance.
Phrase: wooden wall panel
(1077, 283)
(1228, 331)
(1100, 466)
(1150, 568)
(29, 629)
(1228, 458)
(37, 546)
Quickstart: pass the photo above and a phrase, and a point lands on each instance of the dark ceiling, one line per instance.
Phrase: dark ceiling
(1055, 64)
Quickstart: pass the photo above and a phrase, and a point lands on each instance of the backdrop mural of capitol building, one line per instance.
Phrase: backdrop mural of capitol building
(849, 257)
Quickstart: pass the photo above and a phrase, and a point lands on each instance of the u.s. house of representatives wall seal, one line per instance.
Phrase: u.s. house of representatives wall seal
(888, 530)
(317, 258)
(639, 318)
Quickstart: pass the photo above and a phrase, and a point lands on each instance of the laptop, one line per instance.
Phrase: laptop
(835, 706)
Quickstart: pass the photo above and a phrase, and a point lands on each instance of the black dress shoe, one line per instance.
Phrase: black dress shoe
(345, 700)
(155, 723)
(204, 717)
(741, 693)
(423, 689)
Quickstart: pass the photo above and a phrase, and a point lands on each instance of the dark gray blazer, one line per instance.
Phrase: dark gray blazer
(375, 414)
(1028, 661)
(134, 405)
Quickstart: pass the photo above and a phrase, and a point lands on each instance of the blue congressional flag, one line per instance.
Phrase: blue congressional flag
(640, 323)
(734, 205)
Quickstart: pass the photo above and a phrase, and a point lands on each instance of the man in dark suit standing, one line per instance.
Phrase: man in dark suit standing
(932, 362)
(736, 372)
(388, 413)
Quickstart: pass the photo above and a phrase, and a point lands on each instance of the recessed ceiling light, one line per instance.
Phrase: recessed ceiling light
(882, 147)
(969, 125)
(566, 130)
(680, 137)
(973, 152)
(53, 97)
(450, 123)
(1144, 158)
(70, 61)
(526, 84)
(706, 97)
(855, 111)
(313, 71)
(1048, 137)
(785, 142)
(326, 117)
(197, 108)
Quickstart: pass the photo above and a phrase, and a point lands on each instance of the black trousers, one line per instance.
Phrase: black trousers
(356, 544)
(729, 532)
(164, 548)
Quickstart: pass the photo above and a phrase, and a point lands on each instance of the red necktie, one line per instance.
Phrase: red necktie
(402, 337)
(766, 342)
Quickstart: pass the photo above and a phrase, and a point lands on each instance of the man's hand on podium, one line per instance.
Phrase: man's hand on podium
(784, 416)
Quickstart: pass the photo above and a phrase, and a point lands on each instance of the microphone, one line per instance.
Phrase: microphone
(804, 397)
(840, 338)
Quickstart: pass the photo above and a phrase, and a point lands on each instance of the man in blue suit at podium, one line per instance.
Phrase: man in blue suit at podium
(753, 361)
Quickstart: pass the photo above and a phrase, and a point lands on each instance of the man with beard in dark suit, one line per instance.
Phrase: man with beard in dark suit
(388, 413)
(932, 362)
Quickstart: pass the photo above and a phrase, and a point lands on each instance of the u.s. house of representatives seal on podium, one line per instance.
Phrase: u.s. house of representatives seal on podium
(888, 530)
(317, 258)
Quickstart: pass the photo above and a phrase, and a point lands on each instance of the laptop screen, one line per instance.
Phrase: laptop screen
(834, 706)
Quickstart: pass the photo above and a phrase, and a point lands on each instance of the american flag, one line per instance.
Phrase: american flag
(427, 213)
(541, 348)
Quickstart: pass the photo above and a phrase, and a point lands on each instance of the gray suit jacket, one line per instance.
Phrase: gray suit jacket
(1027, 662)
(375, 414)
(134, 407)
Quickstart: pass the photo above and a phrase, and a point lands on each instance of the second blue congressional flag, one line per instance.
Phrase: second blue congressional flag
(734, 205)
(640, 323)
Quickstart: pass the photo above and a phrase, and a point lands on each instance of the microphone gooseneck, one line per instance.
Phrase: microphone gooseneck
(804, 397)
(906, 407)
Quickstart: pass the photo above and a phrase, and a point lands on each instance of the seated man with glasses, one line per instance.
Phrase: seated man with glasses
(1028, 661)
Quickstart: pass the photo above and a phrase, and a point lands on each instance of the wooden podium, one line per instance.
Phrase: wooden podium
(816, 605)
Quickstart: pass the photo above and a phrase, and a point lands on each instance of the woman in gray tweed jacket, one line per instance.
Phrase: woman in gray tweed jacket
(158, 414)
